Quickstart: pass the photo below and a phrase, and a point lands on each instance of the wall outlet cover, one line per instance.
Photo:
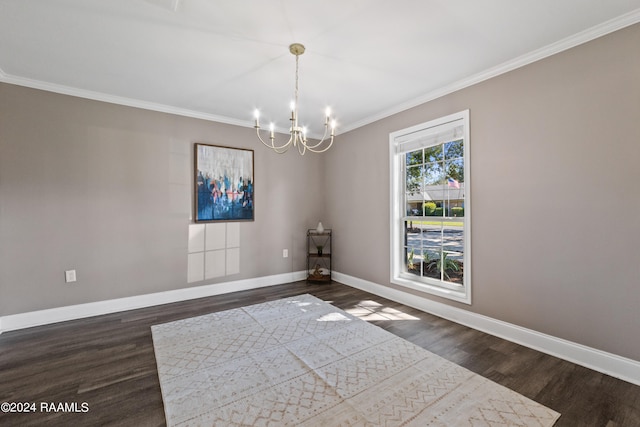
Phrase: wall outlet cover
(70, 276)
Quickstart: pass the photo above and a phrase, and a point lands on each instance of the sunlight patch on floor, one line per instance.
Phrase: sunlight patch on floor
(333, 317)
(370, 310)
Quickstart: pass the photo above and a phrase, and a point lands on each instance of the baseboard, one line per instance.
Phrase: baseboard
(601, 361)
(607, 363)
(80, 311)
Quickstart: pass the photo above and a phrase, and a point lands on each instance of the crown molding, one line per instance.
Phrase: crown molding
(130, 102)
(577, 39)
(119, 100)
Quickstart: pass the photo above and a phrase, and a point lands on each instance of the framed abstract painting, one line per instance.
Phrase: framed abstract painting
(223, 183)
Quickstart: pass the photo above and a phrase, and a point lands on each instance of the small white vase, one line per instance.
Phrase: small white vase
(320, 228)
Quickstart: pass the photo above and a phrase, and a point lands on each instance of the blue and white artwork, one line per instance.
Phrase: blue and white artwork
(224, 183)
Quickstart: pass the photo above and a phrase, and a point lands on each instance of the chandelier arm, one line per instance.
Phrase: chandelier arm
(324, 136)
(324, 149)
(274, 147)
(262, 140)
(277, 151)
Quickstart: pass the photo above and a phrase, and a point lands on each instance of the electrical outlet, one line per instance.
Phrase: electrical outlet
(70, 276)
(285, 253)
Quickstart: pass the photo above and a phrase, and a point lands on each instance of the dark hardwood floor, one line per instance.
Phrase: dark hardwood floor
(108, 362)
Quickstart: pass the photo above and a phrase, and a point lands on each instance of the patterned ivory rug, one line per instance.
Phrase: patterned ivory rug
(302, 362)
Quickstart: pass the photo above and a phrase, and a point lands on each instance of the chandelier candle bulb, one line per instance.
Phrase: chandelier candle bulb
(256, 114)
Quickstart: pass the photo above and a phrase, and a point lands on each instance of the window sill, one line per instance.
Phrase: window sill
(461, 295)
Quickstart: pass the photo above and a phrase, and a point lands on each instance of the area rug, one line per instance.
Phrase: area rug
(302, 362)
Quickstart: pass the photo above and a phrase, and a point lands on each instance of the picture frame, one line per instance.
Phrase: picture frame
(223, 183)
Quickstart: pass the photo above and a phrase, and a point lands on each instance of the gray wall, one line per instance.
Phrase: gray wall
(560, 138)
(107, 190)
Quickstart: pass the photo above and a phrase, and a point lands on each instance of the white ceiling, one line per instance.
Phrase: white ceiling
(221, 59)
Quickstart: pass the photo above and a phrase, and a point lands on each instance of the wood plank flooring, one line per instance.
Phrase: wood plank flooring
(108, 362)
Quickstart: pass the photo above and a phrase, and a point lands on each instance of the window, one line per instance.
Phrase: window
(430, 207)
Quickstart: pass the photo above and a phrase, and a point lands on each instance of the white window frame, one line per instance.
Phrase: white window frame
(429, 130)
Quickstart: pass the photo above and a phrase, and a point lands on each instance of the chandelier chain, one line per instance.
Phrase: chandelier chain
(296, 92)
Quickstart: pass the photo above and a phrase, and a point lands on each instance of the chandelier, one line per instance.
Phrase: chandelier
(298, 134)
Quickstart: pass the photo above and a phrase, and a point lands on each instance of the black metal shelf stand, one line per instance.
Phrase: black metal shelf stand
(319, 251)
